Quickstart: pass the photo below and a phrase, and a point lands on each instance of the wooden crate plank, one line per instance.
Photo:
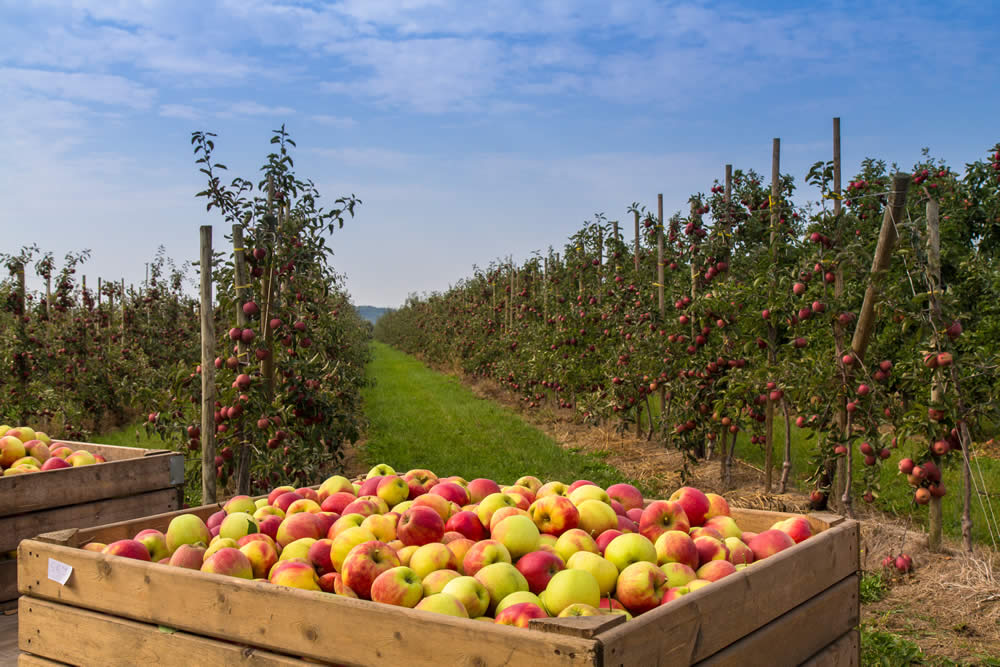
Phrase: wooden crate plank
(15, 528)
(80, 637)
(72, 486)
(8, 580)
(304, 623)
(844, 652)
(29, 660)
(746, 600)
(796, 635)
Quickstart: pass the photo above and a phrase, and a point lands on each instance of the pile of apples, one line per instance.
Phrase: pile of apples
(472, 549)
(24, 450)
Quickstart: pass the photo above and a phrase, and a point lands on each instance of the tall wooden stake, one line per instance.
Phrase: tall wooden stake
(207, 369)
(659, 254)
(840, 416)
(772, 334)
(242, 286)
(635, 253)
(937, 384)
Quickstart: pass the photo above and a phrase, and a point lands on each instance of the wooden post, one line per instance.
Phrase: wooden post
(545, 291)
(123, 307)
(207, 370)
(635, 253)
(600, 263)
(937, 384)
(659, 254)
(617, 234)
(772, 334)
(728, 198)
(840, 417)
(48, 294)
(242, 286)
(866, 320)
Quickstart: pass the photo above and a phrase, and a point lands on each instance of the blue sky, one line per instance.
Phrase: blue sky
(471, 130)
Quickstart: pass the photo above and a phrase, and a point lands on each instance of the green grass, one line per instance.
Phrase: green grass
(419, 418)
(132, 435)
(895, 495)
(873, 587)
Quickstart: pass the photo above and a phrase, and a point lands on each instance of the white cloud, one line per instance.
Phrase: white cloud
(251, 108)
(179, 111)
(103, 89)
(334, 121)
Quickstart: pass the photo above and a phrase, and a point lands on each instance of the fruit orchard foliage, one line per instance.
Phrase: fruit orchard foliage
(746, 321)
(289, 391)
(76, 366)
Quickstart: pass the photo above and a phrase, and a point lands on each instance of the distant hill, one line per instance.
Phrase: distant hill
(372, 313)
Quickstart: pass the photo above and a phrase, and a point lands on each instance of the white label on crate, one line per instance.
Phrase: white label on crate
(59, 572)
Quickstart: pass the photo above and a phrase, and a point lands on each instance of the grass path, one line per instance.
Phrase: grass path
(419, 418)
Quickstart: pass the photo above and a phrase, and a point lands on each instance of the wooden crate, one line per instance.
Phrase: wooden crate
(133, 483)
(800, 606)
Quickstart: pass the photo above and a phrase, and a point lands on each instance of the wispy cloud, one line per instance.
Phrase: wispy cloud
(334, 121)
(103, 89)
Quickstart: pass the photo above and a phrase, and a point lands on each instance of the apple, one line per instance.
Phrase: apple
(261, 555)
(297, 550)
(554, 514)
(155, 543)
(467, 523)
(285, 499)
(596, 516)
(471, 593)
(267, 510)
(738, 551)
(604, 539)
(502, 514)
(630, 548)
(459, 548)
(81, 457)
(188, 556)
(296, 574)
(520, 615)
(277, 491)
(442, 603)
(501, 579)
(518, 598)
(345, 522)
(304, 505)
(128, 549)
(678, 574)
(420, 525)
(436, 503)
(551, 489)
(393, 489)
(717, 506)
(716, 569)
(337, 501)
(603, 570)
(580, 609)
(187, 529)
(672, 594)
(297, 526)
(11, 449)
(491, 503)
(230, 562)
(430, 557)
(215, 519)
(568, 587)
(237, 525)
(380, 470)
(55, 463)
(451, 492)
(589, 492)
(518, 533)
(709, 548)
(404, 553)
(797, 527)
(479, 488)
(239, 504)
(318, 555)
(484, 553)
(640, 587)
(345, 542)
(661, 516)
(626, 494)
(574, 540)
(437, 580)
(399, 586)
(675, 546)
(769, 542)
(708, 531)
(538, 567)
(694, 502)
(383, 526)
(364, 563)
(419, 481)
(363, 506)
(529, 482)
(725, 525)
(37, 449)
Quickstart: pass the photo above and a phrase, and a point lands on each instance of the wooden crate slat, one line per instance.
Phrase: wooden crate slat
(305, 623)
(72, 486)
(771, 588)
(758, 521)
(122, 530)
(845, 652)
(796, 636)
(74, 636)
(29, 660)
(15, 528)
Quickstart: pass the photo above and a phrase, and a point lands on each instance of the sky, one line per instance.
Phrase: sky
(470, 129)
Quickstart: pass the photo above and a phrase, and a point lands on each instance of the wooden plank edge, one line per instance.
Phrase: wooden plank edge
(795, 635)
(844, 652)
(30, 660)
(70, 634)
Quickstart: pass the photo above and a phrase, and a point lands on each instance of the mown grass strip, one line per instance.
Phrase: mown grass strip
(419, 418)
